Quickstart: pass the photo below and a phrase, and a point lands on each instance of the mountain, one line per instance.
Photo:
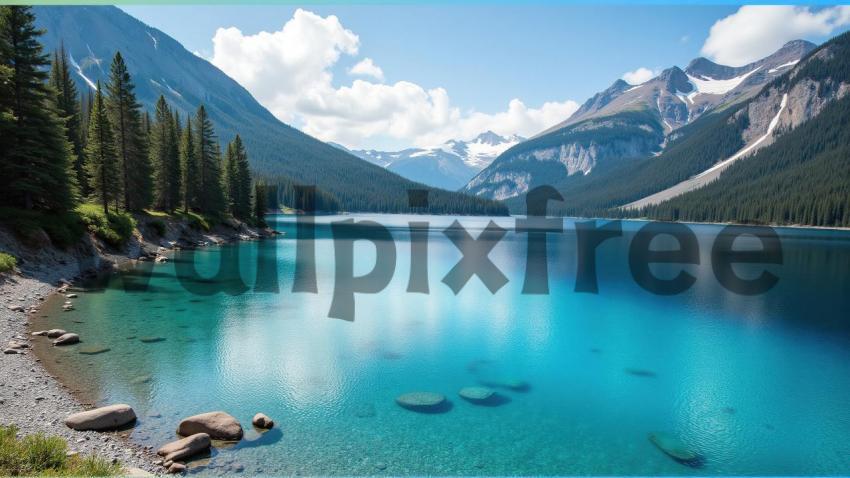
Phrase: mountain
(777, 157)
(628, 122)
(162, 66)
(449, 166)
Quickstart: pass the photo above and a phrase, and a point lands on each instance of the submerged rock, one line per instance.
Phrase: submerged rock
(104, 418)
(54, 333)
(176, 468)
(93, 350)
(67, 339)
(639, 372)
(673, 446)
(262, 421)
(40, 333)
(140, 380)
(421, 401)
(152, 340)
(71, 296)
(218, 425)
(476, 394)
(185, 447)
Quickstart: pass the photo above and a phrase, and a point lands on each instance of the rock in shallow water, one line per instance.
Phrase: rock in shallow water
(262, 421)
(67, 339)
(218, 425)
(421, 401)
(673, 446)
(185, 448)
(54, 333)
(93, 350)
(104, 418)
(476, 394)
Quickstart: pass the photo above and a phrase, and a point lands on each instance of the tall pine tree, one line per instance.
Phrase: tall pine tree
(68, 106)
(188, 168)
(238, 180)
(165, 158)
(210, 195)
(35, 156)
(101, 157)
(125, 118)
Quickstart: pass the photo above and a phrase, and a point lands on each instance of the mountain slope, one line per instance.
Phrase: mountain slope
(160, 65)
(449, 166)
(674, 99)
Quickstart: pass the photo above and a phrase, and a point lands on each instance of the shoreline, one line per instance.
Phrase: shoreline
(31, 396)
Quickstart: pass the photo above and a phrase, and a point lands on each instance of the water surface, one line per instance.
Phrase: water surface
(754, 384)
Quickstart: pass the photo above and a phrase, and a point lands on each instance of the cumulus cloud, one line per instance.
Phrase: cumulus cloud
(290, 72)
(367, 67)
(755, 31)
(641, 75)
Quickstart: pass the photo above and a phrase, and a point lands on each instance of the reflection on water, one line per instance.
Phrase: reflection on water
(753, 384)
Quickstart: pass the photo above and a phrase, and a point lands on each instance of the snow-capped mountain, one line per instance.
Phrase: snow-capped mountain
(448, 166)
(628, 122)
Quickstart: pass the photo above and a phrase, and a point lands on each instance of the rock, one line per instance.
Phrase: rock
(135, 473)
(16, 345)
(71, 296)
(40, 333)
(262, 421)
(104, 418)
(218, 425)
(160, 259)
(185, 447)
(421, 401)
(639, 372)
(476, 394)
(67, 339)
(12, 351)
(176, 468)
(140, 380)
(152, 340)
(16, 308)
(93, 350)
(672, 446)
(55, 333)
(67, 307)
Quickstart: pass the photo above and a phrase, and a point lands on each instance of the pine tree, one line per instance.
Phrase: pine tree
(260, 204)
(164, 157)
(210, 193)
(125, 118)
(231, 176)
(35, 156)
(101, 157)
(238, 180)
(67, 103)
(188, 168)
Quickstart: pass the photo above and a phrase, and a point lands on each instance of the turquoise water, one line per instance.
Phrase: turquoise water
(754, 384)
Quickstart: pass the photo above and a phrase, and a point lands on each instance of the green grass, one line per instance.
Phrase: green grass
(40, 455)
(63, 229)
(115, 229)
(7, 262)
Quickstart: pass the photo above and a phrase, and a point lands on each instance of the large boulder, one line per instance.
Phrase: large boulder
(185, 447)
(218, 425)
(67, 339)
(262, 420)
(104, 418)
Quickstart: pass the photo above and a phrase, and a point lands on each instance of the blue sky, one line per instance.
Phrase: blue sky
(482, 56)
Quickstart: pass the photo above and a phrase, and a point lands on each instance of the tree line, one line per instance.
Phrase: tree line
(59, 147)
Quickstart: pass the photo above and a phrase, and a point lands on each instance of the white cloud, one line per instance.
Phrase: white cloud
(755, 31)
(289, 72)
(367, 67)
(641, 75)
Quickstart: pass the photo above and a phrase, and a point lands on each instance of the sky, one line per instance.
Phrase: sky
(394, 76)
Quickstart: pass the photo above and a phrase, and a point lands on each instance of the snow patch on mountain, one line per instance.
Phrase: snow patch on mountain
(712, 86)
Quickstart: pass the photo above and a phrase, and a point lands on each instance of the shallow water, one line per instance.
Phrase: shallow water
(753, 384)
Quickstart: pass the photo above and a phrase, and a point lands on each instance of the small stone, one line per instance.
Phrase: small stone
(151, 340)
(67, 339)
(71, 296)
(55, 333)
(262, 421)
(16, 308)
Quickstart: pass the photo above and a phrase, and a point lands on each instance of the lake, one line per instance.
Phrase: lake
(756, 385)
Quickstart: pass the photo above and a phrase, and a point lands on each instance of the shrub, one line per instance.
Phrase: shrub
(158, 226)
(45, 456)
(115, 229)
(63, 229)
(7, 262)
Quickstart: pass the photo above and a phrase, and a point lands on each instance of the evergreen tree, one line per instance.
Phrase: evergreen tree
(165, 158)
(210, 194)
(260, 204)
(101, 157)
(230, 180)
(67, 103)
(35, 156)
(188, 168)
(238, 183)
(125, 118)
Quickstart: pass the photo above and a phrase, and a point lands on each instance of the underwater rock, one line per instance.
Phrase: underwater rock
(639, 372)
(673, 447)
(218, 425)
(515, 385)
(104, 418)
(261, 420)
(140, 380)
(185, 447)
(476, 394)
(93, 350)
(67, 339)
(54, 333)
(152, 340)
(421, 401)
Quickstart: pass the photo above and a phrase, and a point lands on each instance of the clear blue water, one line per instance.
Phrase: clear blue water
(754, 384)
